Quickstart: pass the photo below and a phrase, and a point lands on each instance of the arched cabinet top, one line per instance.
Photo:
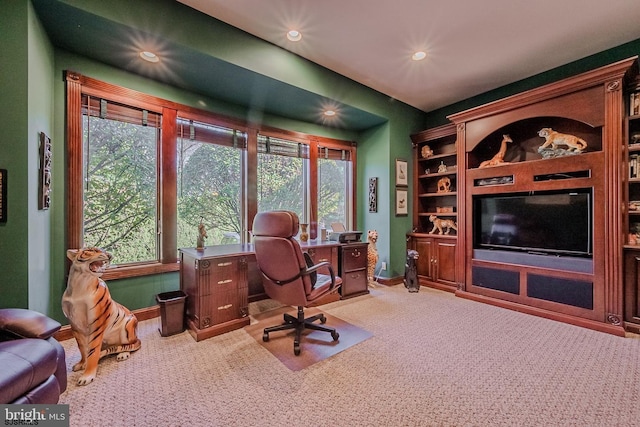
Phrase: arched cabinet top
(577, 99)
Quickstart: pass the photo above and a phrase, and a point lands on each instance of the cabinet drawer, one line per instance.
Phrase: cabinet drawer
(322, 254)
(354, 257)
(218, 275)
(354, 282)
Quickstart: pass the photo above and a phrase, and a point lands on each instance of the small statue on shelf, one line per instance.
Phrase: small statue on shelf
(202, 235)
(442, 168)
(553, 139)
(439, 224)
(444, 185)
(498, 159)
(426, 152)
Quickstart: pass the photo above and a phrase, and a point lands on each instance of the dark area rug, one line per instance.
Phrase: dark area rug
(315, 345)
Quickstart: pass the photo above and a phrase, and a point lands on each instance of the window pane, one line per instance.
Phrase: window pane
(120, 188)
(281, 184)
(333, 192)
(209, 190)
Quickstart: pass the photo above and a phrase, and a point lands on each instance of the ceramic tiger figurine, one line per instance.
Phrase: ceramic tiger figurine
(372, 256)
(553, 138)
(100, 325)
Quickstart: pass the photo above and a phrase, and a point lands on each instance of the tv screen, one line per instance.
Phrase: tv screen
(556, 223)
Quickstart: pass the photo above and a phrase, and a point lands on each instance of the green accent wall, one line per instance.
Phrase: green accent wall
(14, 234)
(618, 53)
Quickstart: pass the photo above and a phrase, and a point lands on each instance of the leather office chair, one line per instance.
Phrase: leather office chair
(288, 278)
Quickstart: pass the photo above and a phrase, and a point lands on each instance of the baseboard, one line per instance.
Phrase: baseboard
(142, 314)
(390, 281)
(576, 321)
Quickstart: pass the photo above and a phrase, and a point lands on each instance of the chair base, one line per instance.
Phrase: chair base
(300, 323)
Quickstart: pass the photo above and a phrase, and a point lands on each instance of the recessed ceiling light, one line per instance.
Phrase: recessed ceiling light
(419, 56)
(329, 113)
(149, 56)
(294, 35)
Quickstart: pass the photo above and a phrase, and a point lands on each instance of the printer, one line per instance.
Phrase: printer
(339, 234)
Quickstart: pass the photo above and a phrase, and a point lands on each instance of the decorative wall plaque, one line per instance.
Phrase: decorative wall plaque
(44, 185)
(373, 194)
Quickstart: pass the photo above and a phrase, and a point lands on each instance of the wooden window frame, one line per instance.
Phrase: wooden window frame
(78, 85)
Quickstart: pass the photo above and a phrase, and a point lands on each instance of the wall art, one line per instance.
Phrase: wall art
(44, 183)
(373, 194)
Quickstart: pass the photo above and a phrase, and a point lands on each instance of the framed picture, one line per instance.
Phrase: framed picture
(402, 172)
(3, 195)
(402, 202)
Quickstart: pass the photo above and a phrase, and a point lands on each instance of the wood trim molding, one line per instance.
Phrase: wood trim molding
(552, 90)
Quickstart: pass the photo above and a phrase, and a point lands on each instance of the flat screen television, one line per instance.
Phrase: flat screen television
(549, 223)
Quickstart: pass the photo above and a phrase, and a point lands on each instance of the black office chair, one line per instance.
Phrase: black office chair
(287, 276)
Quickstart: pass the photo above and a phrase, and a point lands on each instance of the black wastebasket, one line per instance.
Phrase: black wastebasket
(171, 312)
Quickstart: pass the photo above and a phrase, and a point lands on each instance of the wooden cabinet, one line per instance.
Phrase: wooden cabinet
(436, 260)
(632, 290)
(632, 189)
(582, 288)
(435, 176)
(631, 221)
(435, 196)
(216, 283)
(353, 269)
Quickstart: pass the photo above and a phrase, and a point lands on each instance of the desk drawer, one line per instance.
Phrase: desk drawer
(321, 254)
(218, 275)
(354, 257)
(354, 283)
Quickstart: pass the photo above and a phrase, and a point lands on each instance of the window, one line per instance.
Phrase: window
(143, 173)
(209, 183)
(334, 187)
(120, 176)
(283, 176)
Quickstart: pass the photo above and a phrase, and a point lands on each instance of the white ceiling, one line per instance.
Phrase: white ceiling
(472, 45)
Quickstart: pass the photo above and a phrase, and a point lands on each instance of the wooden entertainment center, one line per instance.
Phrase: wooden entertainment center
(586, 289)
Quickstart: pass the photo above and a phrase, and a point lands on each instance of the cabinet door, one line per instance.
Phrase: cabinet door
(632, 287)
(445, 262)
(425, 257)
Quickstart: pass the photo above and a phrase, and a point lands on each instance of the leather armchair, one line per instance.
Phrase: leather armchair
(34, 369)
(289, 278)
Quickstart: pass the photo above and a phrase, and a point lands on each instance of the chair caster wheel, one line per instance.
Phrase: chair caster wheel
(265, 337)
(296, 349)
(323, 319)
(335, 336)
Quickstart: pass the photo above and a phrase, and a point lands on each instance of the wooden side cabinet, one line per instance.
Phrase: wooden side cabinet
(632, 290)
(216, 283)
(436, 260)
(353, 269)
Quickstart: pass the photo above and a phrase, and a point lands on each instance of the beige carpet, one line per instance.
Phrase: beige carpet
(433, 360)
(315, 345)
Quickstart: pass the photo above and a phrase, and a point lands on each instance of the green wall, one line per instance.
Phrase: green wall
(14, 234)
(618, 53)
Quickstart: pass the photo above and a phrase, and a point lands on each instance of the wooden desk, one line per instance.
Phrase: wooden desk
(220, 281)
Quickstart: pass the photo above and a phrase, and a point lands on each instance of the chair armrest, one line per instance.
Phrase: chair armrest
(315, 267)
(18, 323)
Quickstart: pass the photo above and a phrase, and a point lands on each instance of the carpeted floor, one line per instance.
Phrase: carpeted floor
(432, 360)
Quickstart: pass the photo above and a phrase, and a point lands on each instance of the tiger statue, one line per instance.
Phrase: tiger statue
(439, 224)
(372, 256)
(100, 325)
(553, 138)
